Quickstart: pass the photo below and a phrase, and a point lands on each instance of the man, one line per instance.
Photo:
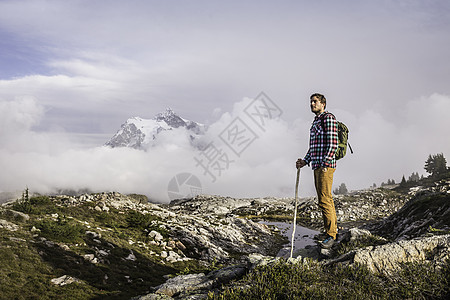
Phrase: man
(323, 144)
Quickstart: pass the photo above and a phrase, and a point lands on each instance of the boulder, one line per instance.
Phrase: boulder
(389, 257)
(8, 225)
(64, 280)
(184, 284)
(196, 286)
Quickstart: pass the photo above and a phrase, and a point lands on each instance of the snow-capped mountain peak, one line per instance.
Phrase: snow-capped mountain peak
(141, 133)
(171, 118)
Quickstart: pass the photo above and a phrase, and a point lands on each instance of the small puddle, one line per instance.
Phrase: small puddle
(303, 236)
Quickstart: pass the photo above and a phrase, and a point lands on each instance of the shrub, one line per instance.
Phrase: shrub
(61, 230)
(40, 200)
(23, 204)
(138, 220)
(34, 205)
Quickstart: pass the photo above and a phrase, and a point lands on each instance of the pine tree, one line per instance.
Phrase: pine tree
(342, 190)
(403, 181)
(414, 177)
(436, 164)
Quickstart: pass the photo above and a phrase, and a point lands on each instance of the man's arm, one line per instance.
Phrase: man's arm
(303, 162)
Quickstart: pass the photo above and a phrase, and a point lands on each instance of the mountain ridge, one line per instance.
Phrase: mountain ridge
(140, 133)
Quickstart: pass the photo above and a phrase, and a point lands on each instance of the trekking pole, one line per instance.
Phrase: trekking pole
(294, 223)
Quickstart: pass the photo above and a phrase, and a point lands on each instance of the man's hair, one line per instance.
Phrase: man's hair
(321, 98)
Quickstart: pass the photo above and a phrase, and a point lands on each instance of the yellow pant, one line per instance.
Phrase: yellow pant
(323, 180)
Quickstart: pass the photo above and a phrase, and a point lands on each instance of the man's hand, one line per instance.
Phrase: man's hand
(300, 163)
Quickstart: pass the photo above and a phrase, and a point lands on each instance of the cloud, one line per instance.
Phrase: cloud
(390, 148)
(120, 59)
(19, 115)
(16, 120)
(87, 68)
(44, 170)
(265, 167)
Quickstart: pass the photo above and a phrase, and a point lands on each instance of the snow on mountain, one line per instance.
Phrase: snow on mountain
(141, 133)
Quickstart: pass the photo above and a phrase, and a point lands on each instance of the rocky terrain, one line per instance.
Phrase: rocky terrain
(109, 245)
(354, 208)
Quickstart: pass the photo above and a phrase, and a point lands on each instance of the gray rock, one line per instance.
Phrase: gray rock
(64, 280)
(386, 258)
(227, 274)
(357, 233)
(256, 260)
(185, 283)
(196, 286)
(425, 210)
(16, 215)
(91, 258)
(8, 225)
(156, 235)
(153, 297)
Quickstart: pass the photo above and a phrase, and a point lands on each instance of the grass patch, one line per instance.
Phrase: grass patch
(122, 269)
(25, 275)
(415, 281)
(314, 281)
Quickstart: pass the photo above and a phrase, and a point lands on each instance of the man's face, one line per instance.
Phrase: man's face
(317, 107)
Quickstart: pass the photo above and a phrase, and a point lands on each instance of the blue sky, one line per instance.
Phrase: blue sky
(78, 69)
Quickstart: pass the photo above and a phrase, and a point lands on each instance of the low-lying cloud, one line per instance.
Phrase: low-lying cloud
(259, 164)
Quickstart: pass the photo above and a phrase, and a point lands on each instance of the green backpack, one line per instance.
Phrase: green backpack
(342, 140)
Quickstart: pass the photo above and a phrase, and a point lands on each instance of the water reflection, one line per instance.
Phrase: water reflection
(303, 236)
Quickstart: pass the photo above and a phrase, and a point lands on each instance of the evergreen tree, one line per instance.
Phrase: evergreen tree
(414, 177)
(436, 164)
(342, 190)
(403, 181)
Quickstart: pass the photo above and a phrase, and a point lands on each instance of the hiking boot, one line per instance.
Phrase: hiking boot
(327, 243)
(321, 236)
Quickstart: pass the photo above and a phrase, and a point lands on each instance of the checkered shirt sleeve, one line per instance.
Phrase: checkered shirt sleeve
(323, 142)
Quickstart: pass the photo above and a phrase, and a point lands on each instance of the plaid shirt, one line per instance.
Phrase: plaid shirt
(323, 142)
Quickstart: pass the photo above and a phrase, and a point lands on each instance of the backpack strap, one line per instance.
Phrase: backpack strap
(322, 119)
